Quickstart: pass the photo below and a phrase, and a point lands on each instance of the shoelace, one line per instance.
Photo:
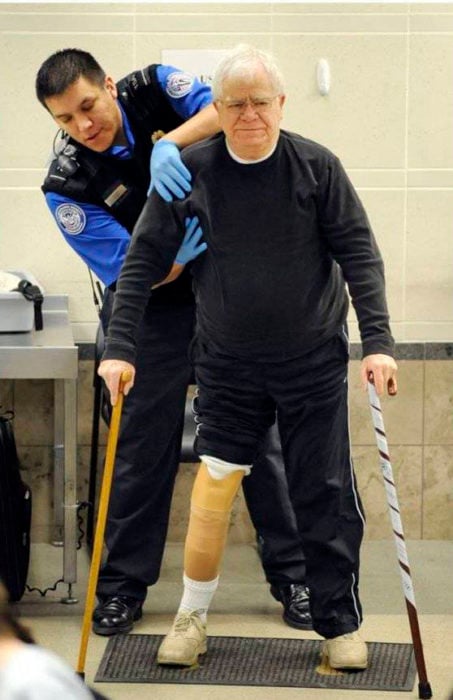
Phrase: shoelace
(300, 595)
(184, 620)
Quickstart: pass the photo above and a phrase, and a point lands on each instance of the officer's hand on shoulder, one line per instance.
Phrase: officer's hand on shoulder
(169, 176)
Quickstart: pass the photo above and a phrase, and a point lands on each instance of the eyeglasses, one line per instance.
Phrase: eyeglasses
(258, 104)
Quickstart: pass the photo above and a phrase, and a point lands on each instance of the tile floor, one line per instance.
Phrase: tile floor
(243, 605)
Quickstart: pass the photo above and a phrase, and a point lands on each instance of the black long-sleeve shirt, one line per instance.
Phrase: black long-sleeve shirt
(283, 237)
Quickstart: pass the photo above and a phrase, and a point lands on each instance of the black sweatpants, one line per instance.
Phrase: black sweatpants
(271, 512)
(147, 461)
(236, 405)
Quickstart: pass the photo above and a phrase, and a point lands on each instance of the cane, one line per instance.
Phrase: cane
(424, 688)
(102, 517)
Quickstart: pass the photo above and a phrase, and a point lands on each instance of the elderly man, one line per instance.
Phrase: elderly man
(286, 233)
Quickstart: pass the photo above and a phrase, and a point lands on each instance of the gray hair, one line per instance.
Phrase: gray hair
(241, 62)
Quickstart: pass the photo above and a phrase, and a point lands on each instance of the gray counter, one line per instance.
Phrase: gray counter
(51, 354)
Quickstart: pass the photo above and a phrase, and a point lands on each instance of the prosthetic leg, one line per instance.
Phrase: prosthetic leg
(210, 510)
(211, 504)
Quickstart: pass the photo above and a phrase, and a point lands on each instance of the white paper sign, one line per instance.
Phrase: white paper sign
(199, 62)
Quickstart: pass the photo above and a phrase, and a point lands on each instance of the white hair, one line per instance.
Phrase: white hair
(241, 62)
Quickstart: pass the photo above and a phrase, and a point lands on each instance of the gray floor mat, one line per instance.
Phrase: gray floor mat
(256, 661)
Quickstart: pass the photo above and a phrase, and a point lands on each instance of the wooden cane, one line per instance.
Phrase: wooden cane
(101, 521)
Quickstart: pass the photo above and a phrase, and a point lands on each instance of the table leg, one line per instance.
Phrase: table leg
(58, 473)
(70, 481)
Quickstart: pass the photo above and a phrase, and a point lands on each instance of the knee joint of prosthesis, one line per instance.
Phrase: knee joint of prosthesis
(210, 508)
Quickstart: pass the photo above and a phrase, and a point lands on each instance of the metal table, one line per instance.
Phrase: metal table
(51, 354)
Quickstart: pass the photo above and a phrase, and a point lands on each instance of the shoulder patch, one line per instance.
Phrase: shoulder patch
(179, 84)
(71, 218)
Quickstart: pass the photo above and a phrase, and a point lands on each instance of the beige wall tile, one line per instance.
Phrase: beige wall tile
(12, 179)
(211, 8)
(38, 474)
(407, 472)
(111, 8)
(350, 23)
(438, 400)
(427, 331)
(100, 23)
(430, 112)
(438, 493)
(363, 117)
(6, 395)
(33, 407)
(83, 470)
(375, 179)
(430, 178)
(429, 279)
(187, 22)
(433, 23)
(343, 7)
(430, 8)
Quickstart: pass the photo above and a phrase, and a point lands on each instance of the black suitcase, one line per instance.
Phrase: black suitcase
(15, 514)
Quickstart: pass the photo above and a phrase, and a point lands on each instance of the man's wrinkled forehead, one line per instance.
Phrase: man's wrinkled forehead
(253, 83)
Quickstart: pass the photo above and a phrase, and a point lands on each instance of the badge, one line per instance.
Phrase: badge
(70, 218)
(179, 84)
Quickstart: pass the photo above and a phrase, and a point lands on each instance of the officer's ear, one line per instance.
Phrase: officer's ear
(110, 86)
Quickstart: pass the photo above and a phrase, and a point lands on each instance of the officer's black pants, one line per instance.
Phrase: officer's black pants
(147, 461)
(236, 404)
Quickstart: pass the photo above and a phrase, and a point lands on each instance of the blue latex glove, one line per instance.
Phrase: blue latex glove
(169, 175)
(192, 244)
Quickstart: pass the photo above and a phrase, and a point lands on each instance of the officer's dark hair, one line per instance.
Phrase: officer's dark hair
(62, 69)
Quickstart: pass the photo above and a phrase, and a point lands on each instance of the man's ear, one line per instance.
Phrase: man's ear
(110, 85)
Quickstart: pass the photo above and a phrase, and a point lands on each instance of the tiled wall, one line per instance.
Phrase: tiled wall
(389, 116)
(419, 425)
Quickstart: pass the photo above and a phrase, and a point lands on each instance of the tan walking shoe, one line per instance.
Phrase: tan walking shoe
(348, 651)
(185, 641)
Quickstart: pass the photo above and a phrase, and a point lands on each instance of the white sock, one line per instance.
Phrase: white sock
(197, 596)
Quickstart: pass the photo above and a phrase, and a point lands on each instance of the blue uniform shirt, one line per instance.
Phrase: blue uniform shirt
(94, 234)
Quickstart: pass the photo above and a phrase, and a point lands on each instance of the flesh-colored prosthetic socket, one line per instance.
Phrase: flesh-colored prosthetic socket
(210, 508)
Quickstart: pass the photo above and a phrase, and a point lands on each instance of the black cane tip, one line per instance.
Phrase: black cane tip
(81, 675)
(424, 691)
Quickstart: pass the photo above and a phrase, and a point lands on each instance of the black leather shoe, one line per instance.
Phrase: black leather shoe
(116, 615)
(295, 598)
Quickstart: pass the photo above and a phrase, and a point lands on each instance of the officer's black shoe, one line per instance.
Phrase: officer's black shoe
(295, 598)
(116, 615)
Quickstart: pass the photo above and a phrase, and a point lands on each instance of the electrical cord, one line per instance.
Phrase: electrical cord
(43, 592)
